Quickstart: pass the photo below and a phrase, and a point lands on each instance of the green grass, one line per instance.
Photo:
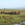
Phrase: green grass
(14, 17)
(23, 24)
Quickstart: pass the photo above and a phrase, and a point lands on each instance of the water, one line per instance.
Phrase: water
(19, 24)
(16, 24)
(23, 22)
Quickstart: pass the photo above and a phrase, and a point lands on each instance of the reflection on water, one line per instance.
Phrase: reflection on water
(16, 24)
(23, 22)
(20, 23)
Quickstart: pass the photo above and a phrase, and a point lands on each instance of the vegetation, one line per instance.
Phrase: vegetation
(11, 18)
(23, 24)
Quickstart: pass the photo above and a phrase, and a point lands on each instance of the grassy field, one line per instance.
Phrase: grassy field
(13, 18)
(22, 24)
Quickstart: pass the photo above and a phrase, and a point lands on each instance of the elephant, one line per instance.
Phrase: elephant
(2, 12)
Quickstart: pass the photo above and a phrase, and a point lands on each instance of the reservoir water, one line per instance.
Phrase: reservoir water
(20, 23)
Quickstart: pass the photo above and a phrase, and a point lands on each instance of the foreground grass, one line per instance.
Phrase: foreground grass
(23, 24)
(14, 19)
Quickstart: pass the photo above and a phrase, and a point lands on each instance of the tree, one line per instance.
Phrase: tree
(4, 8)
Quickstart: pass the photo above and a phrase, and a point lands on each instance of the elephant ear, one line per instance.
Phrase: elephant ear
(16, 11)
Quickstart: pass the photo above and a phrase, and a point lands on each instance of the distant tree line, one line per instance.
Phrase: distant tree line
(4, 8)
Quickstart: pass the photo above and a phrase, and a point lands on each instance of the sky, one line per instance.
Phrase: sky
(12, 3)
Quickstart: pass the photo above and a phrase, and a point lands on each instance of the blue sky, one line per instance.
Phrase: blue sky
(12, 3)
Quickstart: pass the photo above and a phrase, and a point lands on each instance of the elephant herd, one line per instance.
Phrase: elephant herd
(14, 12)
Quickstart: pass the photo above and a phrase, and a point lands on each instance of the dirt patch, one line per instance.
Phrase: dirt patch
(22, 16)
(22, 13)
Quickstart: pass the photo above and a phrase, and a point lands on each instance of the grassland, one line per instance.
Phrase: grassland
(23, 24)
(14, 19)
